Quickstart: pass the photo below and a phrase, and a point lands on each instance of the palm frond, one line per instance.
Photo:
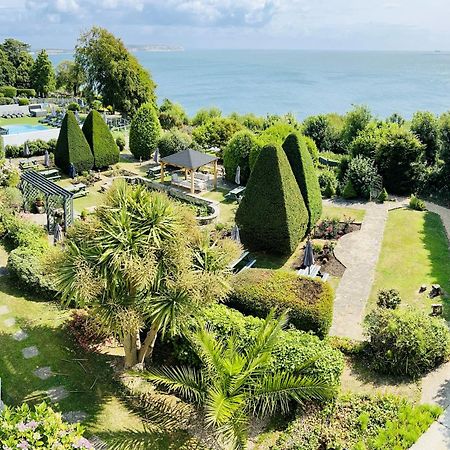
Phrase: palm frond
(220, 407)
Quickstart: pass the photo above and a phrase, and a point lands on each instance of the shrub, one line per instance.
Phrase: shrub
(9, 175)
(39, 427)
(36, 148)
(305, 174)
(100, 140)
(173, 141)
(417, 204)
(144, 132)
(20, 232)
(272, 187)
(237, 153)
(11, 198)
(6, 101)
(389, 299)
(312, 148)
(73, 106)
(120, 142)
(383, 196)
(323, 129)
(204, 115)
(355, 121)
(24, 102)
(309, 301)
(362, 173)
(86, 330)
(327, 182)
(172, 115)
(8, 91)
(406, 342)
(425, 126)
(26, 93)
(72, 147)
(349, 191)
(216, 132)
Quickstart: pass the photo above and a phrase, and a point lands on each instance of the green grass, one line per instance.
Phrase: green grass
(227, 207)
(415, 251)
(335, 211)
(93, 198)
(22, 121)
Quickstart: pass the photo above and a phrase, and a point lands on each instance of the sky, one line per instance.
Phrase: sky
(266, 24)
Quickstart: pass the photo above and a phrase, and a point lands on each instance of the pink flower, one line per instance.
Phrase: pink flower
(21, 426)
(23, 445)
(82, 443)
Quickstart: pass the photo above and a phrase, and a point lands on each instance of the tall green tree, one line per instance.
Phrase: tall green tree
(7, 70)
(42, 74)
(69, 76)
(355, 121)
(113, 72)
(18, 54)
(14, 49)
(145, 131)
(172, 115)
(141, 263)
(425, 125)
(23, 72)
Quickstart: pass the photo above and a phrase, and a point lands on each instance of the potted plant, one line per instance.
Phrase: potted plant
(39, 202)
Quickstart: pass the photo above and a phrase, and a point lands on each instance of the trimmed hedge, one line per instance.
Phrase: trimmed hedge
(272, 216)
(72, 147)
(8, 91)
(309, 301)
(100, 140)
(144, 132)
(305, 174)
(36, 148)
(26, 93)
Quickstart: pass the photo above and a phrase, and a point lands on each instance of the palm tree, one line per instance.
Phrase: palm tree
(139, 262)
(234, 383)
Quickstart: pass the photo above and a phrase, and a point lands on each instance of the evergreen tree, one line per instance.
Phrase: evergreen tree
(144, 132)
(42, 74)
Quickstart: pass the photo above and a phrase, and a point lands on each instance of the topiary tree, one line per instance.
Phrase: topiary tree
(349, 191)
(144, 132)
(303, 168)
(72, 147)
(272, 216)
(101, 141)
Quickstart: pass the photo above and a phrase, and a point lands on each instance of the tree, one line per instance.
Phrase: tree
(113, 72)
(173, 141)
(72, 147)
(355, 121)
(305, 174)
(425, 126)
(272, 216)
(141, 263)
(23, 72)
(172, 115)
(233, 382)
(445, 141)
(204, 115)
(69, 76)
(14, 49)
(7, 70)
(42, 74)
(144, 132)
(101, 141)
(216, 132)
(362, 174)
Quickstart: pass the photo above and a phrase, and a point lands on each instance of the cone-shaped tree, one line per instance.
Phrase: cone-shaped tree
(144, 132)
(272, 216)
(72, 147)
(304, 172)
(101, 141)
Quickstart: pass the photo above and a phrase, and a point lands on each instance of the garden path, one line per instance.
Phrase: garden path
(359, 252)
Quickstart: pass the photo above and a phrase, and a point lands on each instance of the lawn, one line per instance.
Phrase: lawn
(341, 213)
(21, 121)
(415, 251)
(227, 207)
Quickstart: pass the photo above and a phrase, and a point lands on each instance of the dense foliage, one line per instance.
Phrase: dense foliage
(36, 148)
(173, 141)
(100, 140)
(72, 147)
(272, 188)
(388, 298)
(15, 63)
(216, 132)
(425, 126)
(324, 131)
(172, 115)
(362, 174)
(327, 182)
(406, 342)
(305, 174)
(309, 301)
(42, 75)
(69, 77)
(204, 115)
(144, 132)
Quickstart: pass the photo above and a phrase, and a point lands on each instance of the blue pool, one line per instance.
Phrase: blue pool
(19, 129)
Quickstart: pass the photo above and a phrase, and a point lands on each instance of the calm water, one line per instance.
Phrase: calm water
(19, 129)
(302, 82)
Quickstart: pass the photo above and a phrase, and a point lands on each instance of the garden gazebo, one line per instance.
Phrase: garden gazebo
(190, 161)
(33, 184)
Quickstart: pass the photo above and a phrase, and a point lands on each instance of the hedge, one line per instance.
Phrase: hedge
(305, 174)
(72, 147)
(6, 101)
(272, 216)
(36, 148)
(26, 93)
(144, 132)
(309, 301)
(100, 140)
(292, 350)
(8, 91)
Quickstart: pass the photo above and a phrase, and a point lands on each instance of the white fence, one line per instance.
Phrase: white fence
(19, 139)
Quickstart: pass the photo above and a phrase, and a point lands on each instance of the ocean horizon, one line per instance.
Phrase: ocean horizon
(303, 82)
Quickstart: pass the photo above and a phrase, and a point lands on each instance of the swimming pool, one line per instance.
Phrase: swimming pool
(23, 128)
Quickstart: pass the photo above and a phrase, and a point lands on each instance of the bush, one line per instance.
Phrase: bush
(312, 148)
(26, 93)
(349, 191)
(425, 126)
(417, 204)
(309, 301)
(36, 148)
(383, 196)
(100, 140)
(237, 153)
(204, 115)
(362, 174)
(86, 330)
(144, 132)
(216, 132)
(172, 115)
(305, 174)
(120, 142)
(11, 199)
(9, 175)
(39, 427)
(72, 147)
(389, 299)
(73, 106)
(327, 182)
(355, 121)
(20, 232)
(6, 101)
(24, 102)
(173, 141)
(8, 91)
(324, 130)
(272, 188)
(406, 342)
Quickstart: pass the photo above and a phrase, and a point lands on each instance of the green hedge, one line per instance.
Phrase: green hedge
(72, 147)
(8, 91)
(144, 132)
(309, 301)
(100, 140)
(36, 148)
(26, 93)
(272, 216)
(305, 174)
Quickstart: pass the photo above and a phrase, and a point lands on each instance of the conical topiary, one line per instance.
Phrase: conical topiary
(72, 147)
(272, 216)
(349, 191)
(101, 141)
(305, 174)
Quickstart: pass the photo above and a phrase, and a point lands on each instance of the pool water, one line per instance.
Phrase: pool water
(19, 129)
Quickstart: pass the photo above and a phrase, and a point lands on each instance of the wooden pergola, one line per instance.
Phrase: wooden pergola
(190, 161)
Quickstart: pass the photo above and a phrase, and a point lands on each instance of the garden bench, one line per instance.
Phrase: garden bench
(54, 177)
(243, 255)
(312, 272)
(24, 165)
(236, 193)
(248, 265)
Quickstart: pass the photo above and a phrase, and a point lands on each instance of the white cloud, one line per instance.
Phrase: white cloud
(67, 6)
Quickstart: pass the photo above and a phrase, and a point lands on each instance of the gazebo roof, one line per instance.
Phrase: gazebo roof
(189, 159)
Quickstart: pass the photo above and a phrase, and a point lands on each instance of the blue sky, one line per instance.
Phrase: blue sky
(306, 24)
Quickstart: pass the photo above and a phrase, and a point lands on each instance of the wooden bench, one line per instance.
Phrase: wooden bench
(236, 193)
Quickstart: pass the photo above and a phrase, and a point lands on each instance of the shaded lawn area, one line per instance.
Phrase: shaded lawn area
(340, 213)
(415, 251)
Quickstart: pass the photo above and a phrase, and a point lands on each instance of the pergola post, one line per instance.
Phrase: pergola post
(215, 174)
(192, 182)
(162, 172)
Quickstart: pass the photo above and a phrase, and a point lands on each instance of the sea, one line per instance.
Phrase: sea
(301, 82)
